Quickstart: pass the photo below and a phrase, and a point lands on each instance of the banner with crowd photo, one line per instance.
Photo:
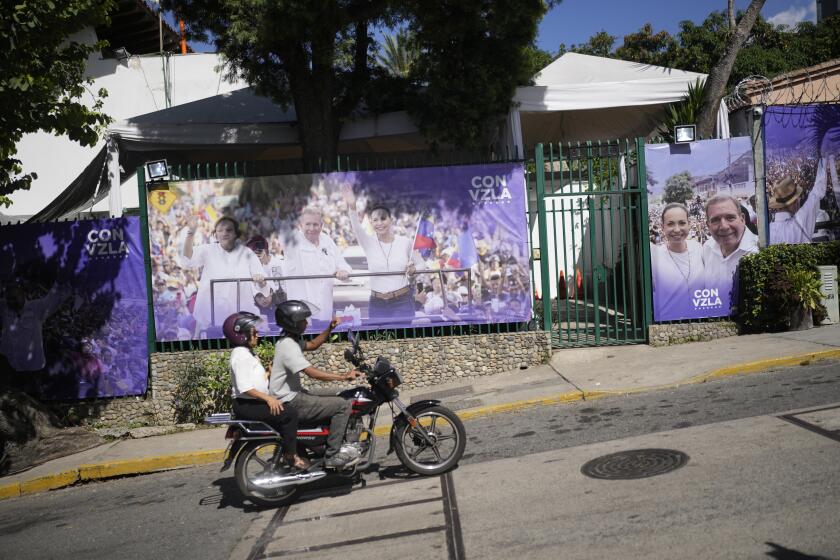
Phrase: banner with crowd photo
(376, 249)
(74, 308)
(702, 221)
(802, 159)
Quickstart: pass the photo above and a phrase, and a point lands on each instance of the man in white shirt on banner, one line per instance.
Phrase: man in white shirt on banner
(312, 253)
(795, 219)
(730, 241)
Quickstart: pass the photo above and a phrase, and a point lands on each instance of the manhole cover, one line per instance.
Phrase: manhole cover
(637, 463)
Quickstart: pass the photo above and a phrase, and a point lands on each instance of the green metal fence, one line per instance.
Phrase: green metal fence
(225, 170)
(588, 217)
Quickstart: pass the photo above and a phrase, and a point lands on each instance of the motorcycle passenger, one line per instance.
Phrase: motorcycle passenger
(249, 383)
(289, 362)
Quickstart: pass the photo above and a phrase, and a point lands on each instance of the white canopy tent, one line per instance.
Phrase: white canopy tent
(580, 97)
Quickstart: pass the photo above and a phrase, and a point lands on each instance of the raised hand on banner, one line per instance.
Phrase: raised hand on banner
(348, 195)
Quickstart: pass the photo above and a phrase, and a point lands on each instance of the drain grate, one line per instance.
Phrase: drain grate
(637, 463)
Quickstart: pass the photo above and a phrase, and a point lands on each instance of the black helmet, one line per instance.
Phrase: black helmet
(238, 327)
(290, 313)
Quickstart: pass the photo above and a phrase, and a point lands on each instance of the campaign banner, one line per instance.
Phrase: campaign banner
(376, 249)
(802, 161)
(702, 221)
(73, 308)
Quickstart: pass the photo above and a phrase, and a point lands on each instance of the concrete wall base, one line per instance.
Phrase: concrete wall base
(679, 333)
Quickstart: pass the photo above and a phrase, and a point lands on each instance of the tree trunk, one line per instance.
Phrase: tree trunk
(719, 75)
(731, 12)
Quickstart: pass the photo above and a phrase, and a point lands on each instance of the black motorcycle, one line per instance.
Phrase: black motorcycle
(429, 439)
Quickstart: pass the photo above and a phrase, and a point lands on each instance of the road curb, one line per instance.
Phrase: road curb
(111, 469)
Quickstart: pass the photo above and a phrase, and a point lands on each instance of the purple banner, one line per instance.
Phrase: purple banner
(377, 249)
(702, 221)
(74, 309)
(802, 154)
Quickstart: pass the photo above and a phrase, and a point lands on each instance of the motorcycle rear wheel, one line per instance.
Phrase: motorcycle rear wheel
(253, 461)
(449, 438)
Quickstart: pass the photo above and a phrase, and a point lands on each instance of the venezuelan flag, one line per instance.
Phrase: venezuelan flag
(424, 241)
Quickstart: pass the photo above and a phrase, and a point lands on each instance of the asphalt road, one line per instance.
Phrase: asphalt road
(197, 513)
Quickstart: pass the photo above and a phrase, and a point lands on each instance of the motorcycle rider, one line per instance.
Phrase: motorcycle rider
(292, 316)
(249, 384)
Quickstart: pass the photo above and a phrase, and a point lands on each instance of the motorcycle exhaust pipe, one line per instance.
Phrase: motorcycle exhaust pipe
(279, 481)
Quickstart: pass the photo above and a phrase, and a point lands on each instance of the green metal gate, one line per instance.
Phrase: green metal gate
(589, 221)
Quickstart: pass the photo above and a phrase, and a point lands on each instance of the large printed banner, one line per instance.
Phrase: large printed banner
(73, 308)
(702, 221)
(376, 249)
(802, 153)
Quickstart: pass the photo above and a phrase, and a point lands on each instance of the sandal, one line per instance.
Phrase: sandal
(298, 463)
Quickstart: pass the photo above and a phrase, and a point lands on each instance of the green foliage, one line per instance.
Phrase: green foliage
(648, 47)
(42, 84)
(204, 388)
(769, 50)
(319, 57)
(678, 188)
(398, 54)
(684, 112)
(771, 280)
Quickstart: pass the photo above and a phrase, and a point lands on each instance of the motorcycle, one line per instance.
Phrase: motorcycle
(428, 438)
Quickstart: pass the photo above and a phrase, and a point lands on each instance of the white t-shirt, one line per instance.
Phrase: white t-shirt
(216, 263)
(675, 278)
(719, 270)
(246, 373)
(433, 305)
(305, 259)
(289, 361)
(386, 257)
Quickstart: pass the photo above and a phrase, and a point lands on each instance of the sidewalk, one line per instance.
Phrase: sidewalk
(572, 375)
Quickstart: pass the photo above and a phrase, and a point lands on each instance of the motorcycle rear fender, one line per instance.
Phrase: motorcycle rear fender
(413, 409)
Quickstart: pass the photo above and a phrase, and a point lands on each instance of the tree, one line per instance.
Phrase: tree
(42, 83)
(648, 47)
(471, 57)
(678, 188)
(397, 55)
(719, 74)
(600, 44)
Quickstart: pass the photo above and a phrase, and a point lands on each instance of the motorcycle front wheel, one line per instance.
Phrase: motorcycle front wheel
(442, 447)
(255, 461)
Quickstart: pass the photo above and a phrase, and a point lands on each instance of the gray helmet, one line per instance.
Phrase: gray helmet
(289, 315)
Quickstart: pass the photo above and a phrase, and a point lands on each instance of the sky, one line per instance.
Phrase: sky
(574, 21)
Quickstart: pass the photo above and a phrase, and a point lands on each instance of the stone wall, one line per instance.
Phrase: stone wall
(422, 362)
(679, 333)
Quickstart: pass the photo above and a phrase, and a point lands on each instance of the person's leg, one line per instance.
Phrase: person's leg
(334, 409)
(286, 423)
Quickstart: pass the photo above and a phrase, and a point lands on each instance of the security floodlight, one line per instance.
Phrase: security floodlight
(156, 169)
(685, 133)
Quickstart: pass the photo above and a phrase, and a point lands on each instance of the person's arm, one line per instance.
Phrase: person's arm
(322, 375)
(322, 337)
(189, 240)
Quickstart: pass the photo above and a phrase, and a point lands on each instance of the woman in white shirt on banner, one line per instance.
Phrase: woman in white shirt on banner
(391, 296)
(227, 258)
(676, 265)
